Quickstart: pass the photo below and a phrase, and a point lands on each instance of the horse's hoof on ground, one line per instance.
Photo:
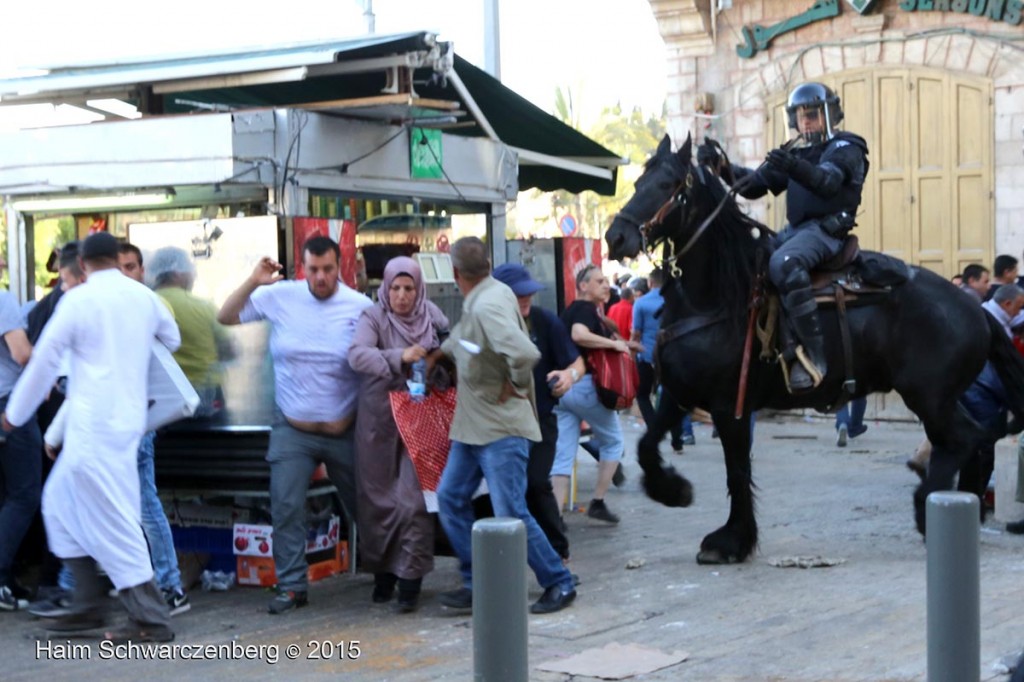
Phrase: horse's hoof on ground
(715, 557)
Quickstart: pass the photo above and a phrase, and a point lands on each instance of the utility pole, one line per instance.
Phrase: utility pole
(492, 38)
(368, 17)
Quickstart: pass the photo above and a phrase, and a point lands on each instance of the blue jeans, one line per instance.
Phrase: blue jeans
(581, 403)
(21, 476)
(503, 465)
(154, 521)
(852, 416)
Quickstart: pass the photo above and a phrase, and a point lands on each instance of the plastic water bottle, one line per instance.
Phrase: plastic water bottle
(418, 382)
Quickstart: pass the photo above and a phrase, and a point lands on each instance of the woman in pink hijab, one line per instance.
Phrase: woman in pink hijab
(396, 532)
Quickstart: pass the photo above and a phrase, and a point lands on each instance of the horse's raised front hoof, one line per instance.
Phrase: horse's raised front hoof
(727, 545)
(670, 488)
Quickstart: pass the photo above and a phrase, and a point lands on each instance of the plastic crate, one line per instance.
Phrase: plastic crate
(215, 542)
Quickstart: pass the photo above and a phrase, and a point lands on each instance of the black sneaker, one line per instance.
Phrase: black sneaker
(56, 605)
(1015, 527)
(177, 601)
(461, 599)
(287, 600)
(599, 510)
(8, 602)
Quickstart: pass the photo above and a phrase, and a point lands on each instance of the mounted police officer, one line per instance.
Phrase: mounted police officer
(822, 173)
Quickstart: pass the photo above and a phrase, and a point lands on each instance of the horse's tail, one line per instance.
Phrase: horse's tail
(1009, 366)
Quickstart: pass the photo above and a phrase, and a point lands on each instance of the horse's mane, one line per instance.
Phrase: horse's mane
(734, 254)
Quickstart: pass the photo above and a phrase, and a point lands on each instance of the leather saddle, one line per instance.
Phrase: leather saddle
(845, 271)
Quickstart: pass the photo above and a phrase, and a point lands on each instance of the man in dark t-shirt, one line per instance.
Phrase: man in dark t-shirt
(588, 331)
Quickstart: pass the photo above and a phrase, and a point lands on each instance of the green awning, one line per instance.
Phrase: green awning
(552, 154)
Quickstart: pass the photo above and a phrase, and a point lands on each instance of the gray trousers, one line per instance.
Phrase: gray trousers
(808, 245)
(144, 603)
(293, 457)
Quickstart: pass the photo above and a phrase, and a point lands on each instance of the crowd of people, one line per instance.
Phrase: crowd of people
(73, 367)
(525, 390)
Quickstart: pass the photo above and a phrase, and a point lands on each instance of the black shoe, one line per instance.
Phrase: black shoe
(54, 605)
(461, 599)
(858, 431)
(599, 510)
(619, 477)
(1015, 527)
(555, 598)
(408, 594)
(575, 580)
(76, 622)
(842, 433)
(286, 601)
(383, 587)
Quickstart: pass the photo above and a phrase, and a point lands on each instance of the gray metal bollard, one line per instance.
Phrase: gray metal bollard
(954, 598)
(499, 601)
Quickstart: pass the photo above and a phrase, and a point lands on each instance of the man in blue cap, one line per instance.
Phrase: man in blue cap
(559, 367)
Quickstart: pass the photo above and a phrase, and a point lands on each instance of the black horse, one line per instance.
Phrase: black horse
(924, 339)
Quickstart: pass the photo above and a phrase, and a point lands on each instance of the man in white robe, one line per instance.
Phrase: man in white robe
(91, 501)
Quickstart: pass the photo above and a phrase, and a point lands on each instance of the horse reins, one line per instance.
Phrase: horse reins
(677, 199)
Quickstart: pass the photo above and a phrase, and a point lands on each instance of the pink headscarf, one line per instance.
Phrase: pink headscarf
(416, 327)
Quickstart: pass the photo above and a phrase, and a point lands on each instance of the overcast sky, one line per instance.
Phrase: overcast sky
(605, 50)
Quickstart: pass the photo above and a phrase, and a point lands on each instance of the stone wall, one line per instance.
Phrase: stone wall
(701, 58)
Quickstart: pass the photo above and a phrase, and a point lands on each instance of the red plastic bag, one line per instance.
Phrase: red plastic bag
(424, 429)
(616, 379)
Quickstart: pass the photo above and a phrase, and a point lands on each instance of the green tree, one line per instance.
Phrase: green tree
(633, 135)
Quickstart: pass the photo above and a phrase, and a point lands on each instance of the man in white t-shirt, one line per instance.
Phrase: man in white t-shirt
(312, 324)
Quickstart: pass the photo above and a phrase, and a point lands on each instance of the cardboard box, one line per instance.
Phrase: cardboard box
(253, 540)
(259, 571)
(258, 540)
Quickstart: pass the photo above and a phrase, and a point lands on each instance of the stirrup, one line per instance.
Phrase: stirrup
(812, 370)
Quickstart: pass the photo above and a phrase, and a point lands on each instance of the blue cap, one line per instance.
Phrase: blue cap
(517, 278)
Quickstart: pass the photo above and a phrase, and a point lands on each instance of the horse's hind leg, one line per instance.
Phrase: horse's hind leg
(662, 482)
(736, 540)
(955, 439)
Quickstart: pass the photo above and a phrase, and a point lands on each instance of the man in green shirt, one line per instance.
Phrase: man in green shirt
(203, 339)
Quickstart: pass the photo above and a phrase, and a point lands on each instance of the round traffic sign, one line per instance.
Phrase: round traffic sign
(567, 225)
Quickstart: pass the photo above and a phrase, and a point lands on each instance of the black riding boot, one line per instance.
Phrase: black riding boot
(803, 314)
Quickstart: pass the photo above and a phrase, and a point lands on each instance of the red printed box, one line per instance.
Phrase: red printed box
(259, 571)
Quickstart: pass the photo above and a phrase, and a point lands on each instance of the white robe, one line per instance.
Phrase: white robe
(91, 502)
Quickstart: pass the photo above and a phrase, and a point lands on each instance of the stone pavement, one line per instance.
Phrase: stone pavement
(861, 620)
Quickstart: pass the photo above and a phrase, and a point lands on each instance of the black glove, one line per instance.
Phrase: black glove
(781, 160)
(707, 155)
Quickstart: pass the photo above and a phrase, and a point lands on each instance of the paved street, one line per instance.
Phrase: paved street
(861, 620)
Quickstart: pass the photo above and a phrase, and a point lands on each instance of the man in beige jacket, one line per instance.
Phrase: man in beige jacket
(495, 418)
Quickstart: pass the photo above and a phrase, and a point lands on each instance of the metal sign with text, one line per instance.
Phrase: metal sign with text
(758, 38)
